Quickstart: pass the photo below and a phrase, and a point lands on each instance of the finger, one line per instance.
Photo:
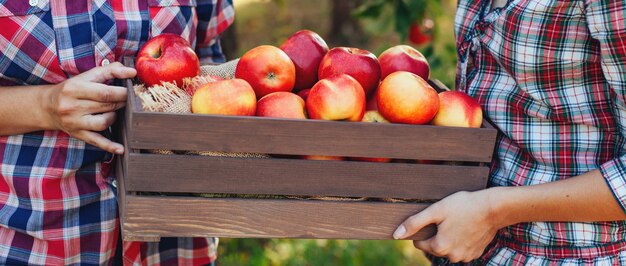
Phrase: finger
(455, 258)
(109, 72)
(99, 141)
(97, 122)
(423, 245)
(433, 246)
(99, 92)
(92, 107)
(415, 223)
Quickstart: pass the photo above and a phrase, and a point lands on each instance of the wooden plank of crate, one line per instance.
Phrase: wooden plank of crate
(198, 174)
(312, 137)
(167, 216)
(121, 191)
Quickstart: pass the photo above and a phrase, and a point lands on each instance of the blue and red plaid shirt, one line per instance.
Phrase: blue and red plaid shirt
(551, 75)
(57, 206)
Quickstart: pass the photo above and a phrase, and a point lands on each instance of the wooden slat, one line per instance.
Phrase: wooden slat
(152, 216)
(121, 190)
(312, 137)
(198, 174)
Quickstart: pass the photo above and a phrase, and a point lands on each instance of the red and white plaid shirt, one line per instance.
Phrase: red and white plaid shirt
(57, 206)
(551, 75)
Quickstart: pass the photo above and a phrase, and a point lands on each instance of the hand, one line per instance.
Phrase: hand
(83, 105)
(465, 226)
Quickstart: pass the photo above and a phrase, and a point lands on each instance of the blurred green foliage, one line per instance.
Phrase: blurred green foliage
(403, 12)
(270, 252)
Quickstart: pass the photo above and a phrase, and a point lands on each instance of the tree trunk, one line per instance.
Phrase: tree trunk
(345, 30)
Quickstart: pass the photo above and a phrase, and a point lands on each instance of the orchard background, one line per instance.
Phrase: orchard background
(374, 25)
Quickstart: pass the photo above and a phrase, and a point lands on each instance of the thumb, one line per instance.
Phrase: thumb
(413, 224)
(108, 72)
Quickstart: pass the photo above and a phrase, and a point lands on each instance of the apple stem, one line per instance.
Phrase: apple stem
(158, 53)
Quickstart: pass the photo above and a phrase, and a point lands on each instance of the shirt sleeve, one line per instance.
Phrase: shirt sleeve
(607, 25)
(214, 16)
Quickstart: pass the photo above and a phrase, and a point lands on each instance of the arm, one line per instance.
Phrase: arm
(468, 221)
(25, 115)
(80, 106)
(584, 198)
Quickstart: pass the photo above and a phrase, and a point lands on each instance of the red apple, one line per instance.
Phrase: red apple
(371, 103)
(306, 49)
(457, 109)
(360, 64)
(268, 69)
(166, 58)
(371, 160)
(404, 97)
(224, 97)
(322, 158)
(281, 104)
(339, 97)
(373, 116)
(304, 93)
(417, 36)
(403, 58)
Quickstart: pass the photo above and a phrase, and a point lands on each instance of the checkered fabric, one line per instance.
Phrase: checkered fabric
(551, 75)
(57, 205)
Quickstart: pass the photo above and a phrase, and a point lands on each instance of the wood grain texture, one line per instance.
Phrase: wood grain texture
(205, 174)
(152, 216)
(121, 195)
(309, 137)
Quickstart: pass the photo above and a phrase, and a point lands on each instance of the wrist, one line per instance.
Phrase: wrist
(45, 106)
(501, 212)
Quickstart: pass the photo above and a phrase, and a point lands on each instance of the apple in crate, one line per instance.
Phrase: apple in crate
(404, 97)
(225, 97)
(359, 64)
(371, 103)
(281, 104)
(166, 58)
(339, 97)
(322, 158)
(306, 49)
(403, 58)
(268, 69)
(373, 116)
(304, 93)
(457, 109)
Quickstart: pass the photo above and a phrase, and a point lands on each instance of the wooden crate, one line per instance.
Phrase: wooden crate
(149, 217)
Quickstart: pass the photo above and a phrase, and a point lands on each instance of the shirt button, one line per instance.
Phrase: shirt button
(104, 62)
(33, 2)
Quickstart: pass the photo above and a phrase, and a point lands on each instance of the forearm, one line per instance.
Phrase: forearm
(584, 198)
(21, 109)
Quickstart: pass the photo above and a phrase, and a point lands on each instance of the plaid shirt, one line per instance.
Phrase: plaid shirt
(57, 206)
(551, 75)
